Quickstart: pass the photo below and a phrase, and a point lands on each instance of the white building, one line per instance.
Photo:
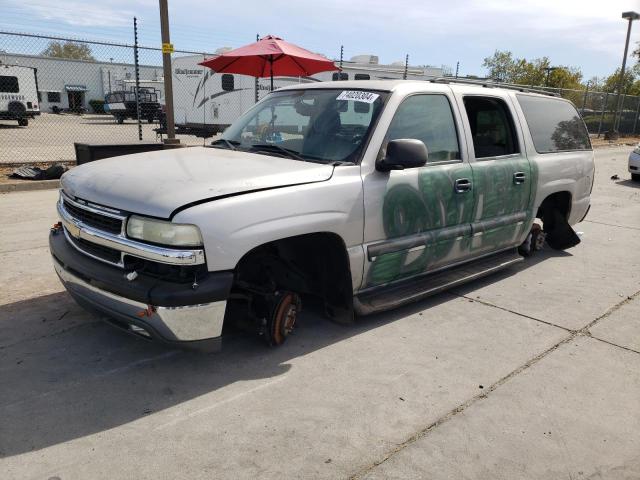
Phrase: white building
(68, 83)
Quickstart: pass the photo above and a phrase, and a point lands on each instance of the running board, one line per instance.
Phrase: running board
(386, 298)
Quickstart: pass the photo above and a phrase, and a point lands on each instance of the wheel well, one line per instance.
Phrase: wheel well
(560, 201)
(315, 264)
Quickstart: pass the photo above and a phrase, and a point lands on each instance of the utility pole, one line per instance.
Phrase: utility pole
(167, 49)
(630, 16)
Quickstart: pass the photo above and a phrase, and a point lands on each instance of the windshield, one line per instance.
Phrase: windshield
(315, 125)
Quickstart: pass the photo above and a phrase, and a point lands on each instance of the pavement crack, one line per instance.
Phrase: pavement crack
(463, 406)
(504, 309)
(612, 343)
(612, 225)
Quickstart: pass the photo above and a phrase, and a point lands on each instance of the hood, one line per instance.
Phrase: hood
(156, 183)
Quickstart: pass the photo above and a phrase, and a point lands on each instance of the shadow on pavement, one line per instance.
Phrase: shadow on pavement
(629, 183)
(84, 377)
(91, 377)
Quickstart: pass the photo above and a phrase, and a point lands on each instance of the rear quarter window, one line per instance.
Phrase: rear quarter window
(555, 125)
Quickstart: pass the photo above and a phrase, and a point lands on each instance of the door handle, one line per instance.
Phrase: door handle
(519, 177)
(462, 185)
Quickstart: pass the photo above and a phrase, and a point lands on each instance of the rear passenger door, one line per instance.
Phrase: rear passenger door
(418, 219)
(501, 174)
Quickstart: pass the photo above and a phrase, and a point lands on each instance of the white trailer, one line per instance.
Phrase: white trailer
(205, 102)
(18, 93)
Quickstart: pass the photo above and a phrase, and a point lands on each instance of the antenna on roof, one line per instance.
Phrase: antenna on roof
(406, 66)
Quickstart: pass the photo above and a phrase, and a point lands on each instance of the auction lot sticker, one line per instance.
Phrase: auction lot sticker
(358, 96)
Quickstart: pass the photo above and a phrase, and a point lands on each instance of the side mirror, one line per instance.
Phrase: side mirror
(403, 153)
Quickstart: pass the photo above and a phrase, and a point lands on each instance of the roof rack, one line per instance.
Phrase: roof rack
(485, 84)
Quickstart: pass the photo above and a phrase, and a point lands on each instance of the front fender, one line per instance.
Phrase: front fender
(233, 226)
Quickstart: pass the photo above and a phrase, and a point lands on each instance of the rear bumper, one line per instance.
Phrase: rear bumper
(183, 317)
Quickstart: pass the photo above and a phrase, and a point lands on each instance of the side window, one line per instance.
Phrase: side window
(9, 84)
(227, 82)
(340, 76)
(428, 118)
(492, 127)
(555, 125)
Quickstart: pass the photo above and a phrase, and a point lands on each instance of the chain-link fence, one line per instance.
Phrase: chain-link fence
(91, 92)
(91, 98)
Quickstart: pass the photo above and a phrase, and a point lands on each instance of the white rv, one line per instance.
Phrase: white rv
(18, 93)
(206, 103)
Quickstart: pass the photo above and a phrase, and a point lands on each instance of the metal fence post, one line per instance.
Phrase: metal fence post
(137, 71)
(256, 85)
(584, 99)
(635, 119)
(604, 107)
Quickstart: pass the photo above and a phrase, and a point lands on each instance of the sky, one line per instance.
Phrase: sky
(587, 34)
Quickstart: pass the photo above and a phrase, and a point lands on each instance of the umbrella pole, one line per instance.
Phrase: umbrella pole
(271, 70)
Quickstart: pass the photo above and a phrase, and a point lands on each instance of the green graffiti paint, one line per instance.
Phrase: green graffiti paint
(434, 205)
(427, 207)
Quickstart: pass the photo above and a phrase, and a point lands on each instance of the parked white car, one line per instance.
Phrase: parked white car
(364, 195)
(634, 164)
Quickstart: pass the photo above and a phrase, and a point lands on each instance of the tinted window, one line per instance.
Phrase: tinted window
(492, 127)
(53, 97)
(340, 76)
(361, 76)
(227, 82)
(428, 118)
(9, 84)
(555, 125)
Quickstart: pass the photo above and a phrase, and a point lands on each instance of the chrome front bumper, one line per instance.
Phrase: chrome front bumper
(179, 325)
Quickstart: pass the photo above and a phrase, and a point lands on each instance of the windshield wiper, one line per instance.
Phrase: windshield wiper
(230, 144)
(286, 151)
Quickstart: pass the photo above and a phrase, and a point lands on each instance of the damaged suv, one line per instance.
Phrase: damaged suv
(364, 195)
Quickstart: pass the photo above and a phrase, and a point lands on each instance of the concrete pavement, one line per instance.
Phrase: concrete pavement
(532, 373)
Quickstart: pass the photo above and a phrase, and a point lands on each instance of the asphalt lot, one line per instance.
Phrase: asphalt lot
(50, 137)
(532, 373)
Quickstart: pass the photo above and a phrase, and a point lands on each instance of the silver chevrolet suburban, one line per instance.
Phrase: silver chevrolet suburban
(364, 195)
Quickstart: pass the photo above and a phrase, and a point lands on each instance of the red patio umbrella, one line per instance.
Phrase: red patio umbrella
(268, 57)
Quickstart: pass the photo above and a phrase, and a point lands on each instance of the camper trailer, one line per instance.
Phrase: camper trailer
(18, 93)
(205, 102)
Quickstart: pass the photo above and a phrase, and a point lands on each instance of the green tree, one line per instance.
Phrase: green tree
(77, 51)
(500, 66)
(630, 83)
(503, 67)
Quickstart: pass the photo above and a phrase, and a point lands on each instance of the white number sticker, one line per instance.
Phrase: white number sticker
(358, 96)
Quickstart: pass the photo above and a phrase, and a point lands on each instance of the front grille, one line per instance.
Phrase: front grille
(101, 222)
(105, 253)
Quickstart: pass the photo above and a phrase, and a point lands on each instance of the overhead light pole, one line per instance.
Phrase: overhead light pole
(167, 49)
(630, 17)
(548, 70)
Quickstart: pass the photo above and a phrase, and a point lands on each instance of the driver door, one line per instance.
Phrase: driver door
(419, 219)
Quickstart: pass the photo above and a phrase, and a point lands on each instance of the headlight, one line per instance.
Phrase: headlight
(163, 233)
